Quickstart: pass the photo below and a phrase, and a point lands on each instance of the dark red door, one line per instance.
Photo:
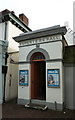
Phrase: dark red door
(34, 80)
(38, 81)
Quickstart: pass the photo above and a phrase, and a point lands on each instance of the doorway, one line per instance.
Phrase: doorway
(38, 77)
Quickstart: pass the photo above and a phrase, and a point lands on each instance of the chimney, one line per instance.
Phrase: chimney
(24, 18)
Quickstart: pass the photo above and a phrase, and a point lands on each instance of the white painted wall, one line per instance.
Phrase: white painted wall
(12, 32)
(24, 91)
(24, 51)
(54, 50)
(2, 31)
(54, 94)
(12, 90)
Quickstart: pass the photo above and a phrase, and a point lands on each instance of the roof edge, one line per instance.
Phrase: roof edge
(41, 33)
(6, 15)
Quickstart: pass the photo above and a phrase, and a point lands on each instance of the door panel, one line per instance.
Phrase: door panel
(34, 80)
(38, 81)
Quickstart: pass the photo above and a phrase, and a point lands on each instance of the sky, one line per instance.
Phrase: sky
(42, 13)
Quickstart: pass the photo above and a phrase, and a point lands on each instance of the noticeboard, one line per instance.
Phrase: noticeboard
(23, 77)
(53, 78)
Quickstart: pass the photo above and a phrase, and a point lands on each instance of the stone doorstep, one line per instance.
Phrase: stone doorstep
(36, 106)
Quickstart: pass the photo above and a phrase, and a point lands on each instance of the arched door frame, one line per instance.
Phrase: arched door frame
(46, 56)
(45, 53)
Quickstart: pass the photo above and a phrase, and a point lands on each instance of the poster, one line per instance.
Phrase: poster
(23, 77)
(53, 78)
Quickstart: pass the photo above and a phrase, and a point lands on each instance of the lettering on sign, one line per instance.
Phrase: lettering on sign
(41, 40)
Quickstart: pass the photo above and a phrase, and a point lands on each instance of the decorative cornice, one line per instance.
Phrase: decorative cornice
(41, 40)
(51, 31)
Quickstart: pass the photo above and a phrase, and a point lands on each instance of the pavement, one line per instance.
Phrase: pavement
(11, 110)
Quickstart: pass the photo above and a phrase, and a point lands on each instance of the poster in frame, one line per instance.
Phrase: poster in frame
(23, 77)
(53, 78)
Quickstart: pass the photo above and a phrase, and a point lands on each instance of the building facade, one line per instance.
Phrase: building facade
(3, 68)
(41, 78)
(10, 26)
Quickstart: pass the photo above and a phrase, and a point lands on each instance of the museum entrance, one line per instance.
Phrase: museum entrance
(38, 76)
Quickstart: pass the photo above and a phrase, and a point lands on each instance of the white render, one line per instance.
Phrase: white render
(12, 91)
(12, 82)
(11, 31)
(53, 94)
(54, 49)
(23, 89)
(2, 30)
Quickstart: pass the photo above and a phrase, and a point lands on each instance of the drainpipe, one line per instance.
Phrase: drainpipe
(6, 56)
(5, 31)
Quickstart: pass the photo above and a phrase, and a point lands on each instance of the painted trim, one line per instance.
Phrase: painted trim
(40, 43)
(45, 53)
(28, 62)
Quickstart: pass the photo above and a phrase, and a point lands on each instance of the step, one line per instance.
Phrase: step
(36, 106)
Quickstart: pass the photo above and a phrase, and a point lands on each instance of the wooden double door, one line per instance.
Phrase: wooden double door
(38, 80)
